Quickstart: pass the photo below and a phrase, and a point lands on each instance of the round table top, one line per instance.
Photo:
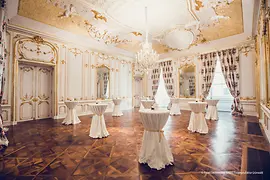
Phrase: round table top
(99, 104)
(117, 101)
(149, 111)
(175, 100)
(197, 107)
(212, 102)
(98, 109)
(71, 104)
(147, 104)
(194, 102)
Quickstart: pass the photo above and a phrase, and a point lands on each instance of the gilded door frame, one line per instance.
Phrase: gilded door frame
(53, 64)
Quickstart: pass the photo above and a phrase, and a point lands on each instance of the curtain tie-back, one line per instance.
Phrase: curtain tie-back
(160, 132)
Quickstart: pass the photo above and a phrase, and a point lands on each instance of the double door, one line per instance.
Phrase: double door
(34, 92)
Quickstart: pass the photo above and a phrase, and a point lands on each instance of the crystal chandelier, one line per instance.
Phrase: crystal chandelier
(147, 57)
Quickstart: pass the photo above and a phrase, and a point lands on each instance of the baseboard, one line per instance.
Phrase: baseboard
(266, 132)
(250, 114)
(7, 123)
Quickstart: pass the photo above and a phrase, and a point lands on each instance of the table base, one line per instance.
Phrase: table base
(212, 113)
(197, 123)
(71, 118)
(155, 151)
(175, 114)
(98, 127)
(117, 112)
(175, 110)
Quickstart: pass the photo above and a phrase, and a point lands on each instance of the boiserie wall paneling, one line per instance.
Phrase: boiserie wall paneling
(76, 77)
(263, 66)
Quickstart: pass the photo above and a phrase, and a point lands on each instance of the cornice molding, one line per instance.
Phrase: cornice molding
(30, 32)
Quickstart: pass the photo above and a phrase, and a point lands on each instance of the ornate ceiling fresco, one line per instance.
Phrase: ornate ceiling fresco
(174, 25)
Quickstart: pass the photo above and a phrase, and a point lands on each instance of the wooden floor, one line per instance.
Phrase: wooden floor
(45, 149)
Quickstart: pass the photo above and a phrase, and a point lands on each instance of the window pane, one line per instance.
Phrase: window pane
(220, 91)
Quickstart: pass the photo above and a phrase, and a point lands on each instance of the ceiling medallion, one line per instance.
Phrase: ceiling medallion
(146, 57)
(103, 36)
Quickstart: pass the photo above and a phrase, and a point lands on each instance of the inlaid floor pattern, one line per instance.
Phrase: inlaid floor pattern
(46, 149)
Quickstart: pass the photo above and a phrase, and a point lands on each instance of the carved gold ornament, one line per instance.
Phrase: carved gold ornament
(26, 69)
(75, 51)
(38, 39)
(198, 5)
(39, 45)
(35, 99)
(247, 98)
(26, 97)
(98, 16)
(69, 12)
(103, 36)
(44, 70)
(246, 49)
(137, 33)
(43, 97)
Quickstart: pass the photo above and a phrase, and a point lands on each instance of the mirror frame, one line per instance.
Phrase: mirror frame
(104, 66)
(182, 67)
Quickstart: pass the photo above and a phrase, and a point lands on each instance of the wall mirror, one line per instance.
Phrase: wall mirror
(187, 81)
(103, 82)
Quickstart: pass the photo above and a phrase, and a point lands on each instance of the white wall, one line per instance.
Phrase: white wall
(247, 82)
(76, 75)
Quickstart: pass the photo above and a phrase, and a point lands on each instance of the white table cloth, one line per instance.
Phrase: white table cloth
(175, 109)
(147, 104)
(212, 112)
(71, 117)
(197, 122)
(155, 150)
(117, 111)
(98, 127)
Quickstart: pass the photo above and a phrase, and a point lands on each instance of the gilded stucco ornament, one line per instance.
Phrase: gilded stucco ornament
(103, 35)
(72, 16)
(98, 16)
(245, 49)
(75, 51)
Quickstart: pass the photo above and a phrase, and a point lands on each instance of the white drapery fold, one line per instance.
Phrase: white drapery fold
(229, 60)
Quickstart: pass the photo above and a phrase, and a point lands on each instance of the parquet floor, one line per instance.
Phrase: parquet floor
(46, 149)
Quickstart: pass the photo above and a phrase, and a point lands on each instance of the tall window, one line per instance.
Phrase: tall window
(162, 98)
(220, 91)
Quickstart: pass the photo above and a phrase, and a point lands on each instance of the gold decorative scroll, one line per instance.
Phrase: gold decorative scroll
(103, 36)
(75, 51)
(38, 42)
(98, 16)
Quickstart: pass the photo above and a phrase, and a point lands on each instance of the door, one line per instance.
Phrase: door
(34, 92)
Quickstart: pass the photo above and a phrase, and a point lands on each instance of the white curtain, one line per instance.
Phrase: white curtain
(162, 98)
(229, 60)
(155, 80)
(167, 69)
(3, 138)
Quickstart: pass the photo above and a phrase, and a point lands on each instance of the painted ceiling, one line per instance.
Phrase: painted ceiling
(174, 25)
